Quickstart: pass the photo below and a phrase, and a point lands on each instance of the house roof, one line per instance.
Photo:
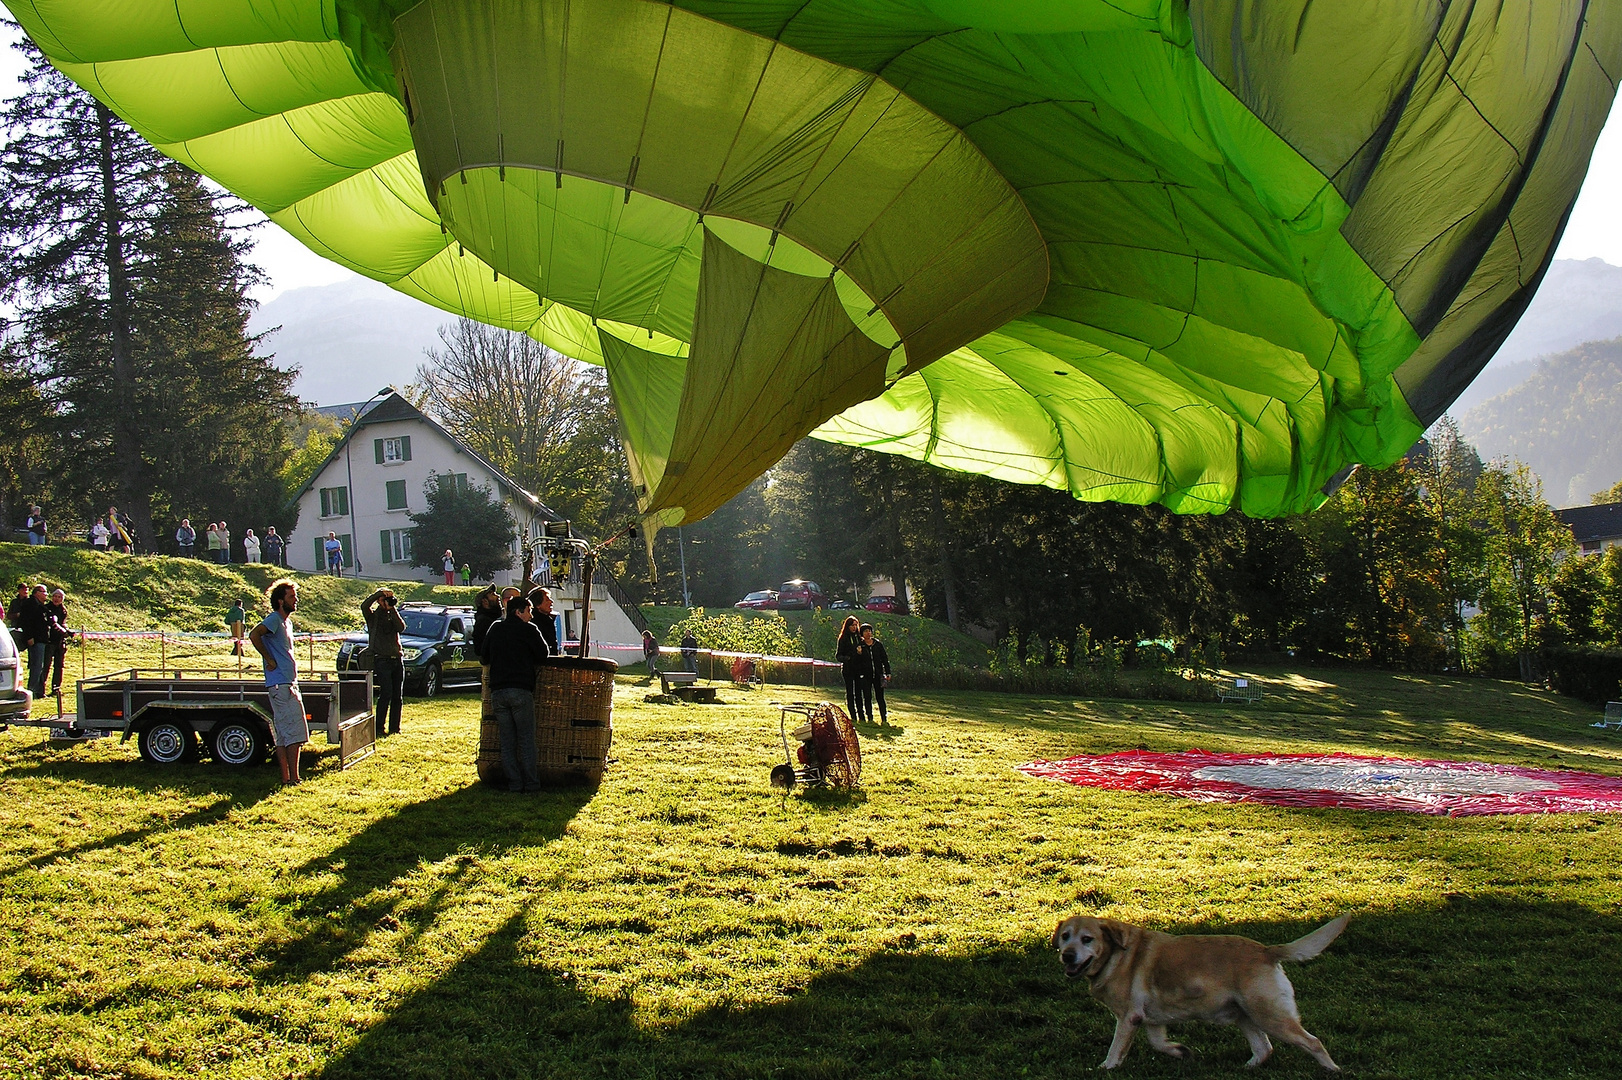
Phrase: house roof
(395, 407)
(1592, 524)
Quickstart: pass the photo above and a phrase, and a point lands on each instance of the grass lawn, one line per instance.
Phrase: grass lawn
(399, 920)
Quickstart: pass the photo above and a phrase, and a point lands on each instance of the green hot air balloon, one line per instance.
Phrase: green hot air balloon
(1204, 253)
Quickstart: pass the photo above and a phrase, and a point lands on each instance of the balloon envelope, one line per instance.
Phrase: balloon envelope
(1203, 253)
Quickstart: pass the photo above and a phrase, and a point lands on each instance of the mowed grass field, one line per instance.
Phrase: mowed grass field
(400, 920)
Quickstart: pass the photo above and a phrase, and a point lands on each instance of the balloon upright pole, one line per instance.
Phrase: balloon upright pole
(588, 567)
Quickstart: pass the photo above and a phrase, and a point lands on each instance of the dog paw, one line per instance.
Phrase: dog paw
(1178, 1050)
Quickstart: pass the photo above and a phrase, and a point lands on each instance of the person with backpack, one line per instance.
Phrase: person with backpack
(250, 547)
(236, 618)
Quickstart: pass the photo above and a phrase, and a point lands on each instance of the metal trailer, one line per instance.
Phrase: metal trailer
(178, 715)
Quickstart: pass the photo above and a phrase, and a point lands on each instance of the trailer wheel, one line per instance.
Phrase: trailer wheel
(238, 743)
(167, 742)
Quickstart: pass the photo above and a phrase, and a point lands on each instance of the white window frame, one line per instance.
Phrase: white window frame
(400, 545)
(322, 496)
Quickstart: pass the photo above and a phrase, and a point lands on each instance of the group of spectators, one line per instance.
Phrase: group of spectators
(115, 532)
(269, 548)
(39, 625)
(867, 669)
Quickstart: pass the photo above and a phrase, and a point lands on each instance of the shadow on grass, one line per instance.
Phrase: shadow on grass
(356, 887)
(1510, 988)
(207, 815)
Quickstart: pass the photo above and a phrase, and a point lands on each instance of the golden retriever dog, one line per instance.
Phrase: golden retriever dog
(1149, 979)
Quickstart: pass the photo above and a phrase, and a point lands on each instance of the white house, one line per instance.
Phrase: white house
(371, 483)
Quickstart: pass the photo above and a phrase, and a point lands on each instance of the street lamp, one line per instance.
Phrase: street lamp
(681, 547)
(349, 476)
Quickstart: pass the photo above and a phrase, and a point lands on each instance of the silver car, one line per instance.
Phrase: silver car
(15, 700)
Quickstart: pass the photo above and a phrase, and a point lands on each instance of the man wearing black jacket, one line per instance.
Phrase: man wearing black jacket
(548, 623)
(513, 647)
(36, 637)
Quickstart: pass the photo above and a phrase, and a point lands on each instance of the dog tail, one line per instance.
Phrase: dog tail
(1311, 945)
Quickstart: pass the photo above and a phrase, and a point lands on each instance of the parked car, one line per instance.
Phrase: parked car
(800, 595)
(842, 605)
(435, 645)
(15, 700)
(886, 605)
(764, 600)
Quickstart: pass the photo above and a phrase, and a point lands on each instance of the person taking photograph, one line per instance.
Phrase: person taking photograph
(383, 629)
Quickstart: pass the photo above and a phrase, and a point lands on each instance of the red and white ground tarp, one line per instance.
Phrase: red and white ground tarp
(1452, 788)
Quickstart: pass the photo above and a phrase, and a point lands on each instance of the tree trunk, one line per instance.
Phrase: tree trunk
(134, 493)
(943, 546)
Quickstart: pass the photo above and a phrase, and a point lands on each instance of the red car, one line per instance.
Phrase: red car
(800, 595)
(888, 605)
(766, 599)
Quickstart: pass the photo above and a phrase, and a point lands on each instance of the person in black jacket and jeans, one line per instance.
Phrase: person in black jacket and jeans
(877, 671)
(513, 648)
(383, 629)
(36, 633)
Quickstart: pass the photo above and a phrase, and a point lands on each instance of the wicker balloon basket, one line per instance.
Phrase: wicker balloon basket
(574, 700)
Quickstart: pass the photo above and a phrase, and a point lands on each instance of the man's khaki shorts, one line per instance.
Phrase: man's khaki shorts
(287, 715)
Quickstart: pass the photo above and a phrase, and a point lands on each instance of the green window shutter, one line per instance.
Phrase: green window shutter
(326, 509)
(405, 447)
(320, 555)
(349, 556)
(396, 494)
(341, 500)
(388, 548)
(377, 448)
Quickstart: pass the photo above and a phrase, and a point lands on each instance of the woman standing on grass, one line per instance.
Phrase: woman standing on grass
(853, 654)
(449, 566)
(250, 546)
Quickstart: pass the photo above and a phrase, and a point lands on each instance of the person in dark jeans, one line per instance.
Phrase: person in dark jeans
(853, 655)
(186, 539)
(272, 545)
(383, 628)
(36, 633)
(57, 636)
(513, 648)
(878, 670)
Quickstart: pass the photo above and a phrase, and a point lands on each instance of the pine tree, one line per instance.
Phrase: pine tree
(132, 311)
(79, 190)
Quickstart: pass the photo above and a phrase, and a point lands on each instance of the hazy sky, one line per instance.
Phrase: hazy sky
(1595, 229)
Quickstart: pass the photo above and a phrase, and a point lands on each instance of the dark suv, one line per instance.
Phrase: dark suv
(800, 595)
(437, 646)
